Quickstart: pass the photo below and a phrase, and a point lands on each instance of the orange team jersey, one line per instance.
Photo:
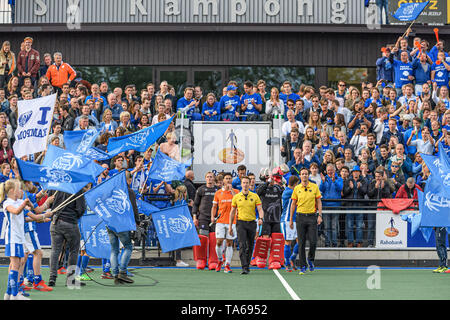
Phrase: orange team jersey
(223, 200)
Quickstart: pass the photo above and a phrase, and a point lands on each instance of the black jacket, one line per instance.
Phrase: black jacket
(355, 192)
(379, 193)
(73, 211)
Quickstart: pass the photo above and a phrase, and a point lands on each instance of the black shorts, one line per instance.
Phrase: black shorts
(270, 227)
(203, 225)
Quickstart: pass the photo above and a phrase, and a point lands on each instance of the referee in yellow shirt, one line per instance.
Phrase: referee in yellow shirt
(306, 201)
(245, 202)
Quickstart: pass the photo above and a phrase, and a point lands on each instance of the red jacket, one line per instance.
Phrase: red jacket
(402, 193)
(34, 62)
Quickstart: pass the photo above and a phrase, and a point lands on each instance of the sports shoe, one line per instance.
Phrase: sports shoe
(293, 267)
(302, 270)
(438, 270)
(219, 266)
(24, 287)
(62, 270)
(447, 271)
(6, 297)
(19, 297)
(28, 282)
(311, 265)
(51, 283)
(274, 265)
(288, 268)
(181, 263)
(201, 264)
(122, 277)
(253, 262)
(41, 286)
(107, 275)
(244, 271)
(444, 269)
(83, 277)
(227, 269)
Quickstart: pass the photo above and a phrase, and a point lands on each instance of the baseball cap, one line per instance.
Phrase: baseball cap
(356, 168)
(231, 87)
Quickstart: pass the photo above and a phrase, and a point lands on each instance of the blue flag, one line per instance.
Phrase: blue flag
(164, 168)
(410, 11)
(93, 232)
(81, 140)
(440, 173)
(140, 140)
(175, 228)
(58, 158)
(111, 202)
(145, 207)
(414, 219)
(96, 154)
(434, 209)
(52, 178)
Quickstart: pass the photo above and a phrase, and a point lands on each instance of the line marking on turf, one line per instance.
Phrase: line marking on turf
(286, 285)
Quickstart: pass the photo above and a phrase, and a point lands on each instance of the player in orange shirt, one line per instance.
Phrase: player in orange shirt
(222, 206)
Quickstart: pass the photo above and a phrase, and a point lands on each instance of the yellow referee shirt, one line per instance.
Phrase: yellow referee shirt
(306, 197)
(246, 205)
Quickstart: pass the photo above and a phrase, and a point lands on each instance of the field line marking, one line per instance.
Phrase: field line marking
(286, 285)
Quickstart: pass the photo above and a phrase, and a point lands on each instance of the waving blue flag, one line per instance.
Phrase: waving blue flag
(53, 178)
(434, 209)
(93, 232)
(145, 207)
(410, 11)
(164, 168)
(439, 180)
(111, 202)
(96, 154)
(80, 141)
(140, 140)
(175, 228)
(58, 158)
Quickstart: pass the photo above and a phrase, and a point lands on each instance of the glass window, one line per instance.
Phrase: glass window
(177, 79)
(117, 76)
(209, 81)
(273, 76)
(352, 76)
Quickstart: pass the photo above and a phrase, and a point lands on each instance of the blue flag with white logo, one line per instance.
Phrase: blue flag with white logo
(145, 207)
(414, 219)
(164, 168)
(81, 140)
(53, 178)
(58, 158)
(175, 228)
(410, 11)
(111, 202)
(93, 232)
(96, 154)
(140, 140)
(434, 209)
(439, 179)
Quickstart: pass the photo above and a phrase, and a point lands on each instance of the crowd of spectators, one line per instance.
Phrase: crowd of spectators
(358, 142)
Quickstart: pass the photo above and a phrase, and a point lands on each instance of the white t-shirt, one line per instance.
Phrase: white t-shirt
(15, 232)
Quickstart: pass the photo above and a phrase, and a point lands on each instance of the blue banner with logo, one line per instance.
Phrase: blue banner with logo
(164, 168)
(58, 158)
(175, 228)
(53, 178)
(410, 11)
(140, 140)
(81, 140)
(439, 167)
(111, 202)
(145, 207)
(434, 209)
(93, 232)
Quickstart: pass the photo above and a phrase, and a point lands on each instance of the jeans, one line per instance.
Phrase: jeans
(371, 228)
(383, 4)
(246, 231)
(125, 238)
(71, 234)
(441, 247)
(306, 230)
(331, 225)
(354, 221)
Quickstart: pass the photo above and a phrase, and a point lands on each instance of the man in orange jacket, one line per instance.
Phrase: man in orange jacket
(60, 72)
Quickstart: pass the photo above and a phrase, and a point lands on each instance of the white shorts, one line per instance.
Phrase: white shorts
(14, 250)
(31, 242)
(288, 233)
(222, 231)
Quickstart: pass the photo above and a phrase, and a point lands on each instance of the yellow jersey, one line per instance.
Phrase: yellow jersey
(306, 197)
(246, 205)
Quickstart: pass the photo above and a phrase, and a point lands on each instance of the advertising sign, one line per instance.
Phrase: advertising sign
(435, 13)
(391, 231)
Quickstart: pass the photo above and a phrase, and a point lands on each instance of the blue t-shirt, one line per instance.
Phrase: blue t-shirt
(182, 103)
(286, 200)
(292, 96)
(226, 101)
(370, 100)
(215, 107)
(251, 109)
(402, 72)
(441, 74)
(162, 191)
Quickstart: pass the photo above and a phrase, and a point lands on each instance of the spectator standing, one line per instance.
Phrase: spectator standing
(7, 64)
(28, 62)
(60, 73)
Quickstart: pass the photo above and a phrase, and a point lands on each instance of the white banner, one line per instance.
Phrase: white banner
(33, 125)
(391, 231)
(223, 146)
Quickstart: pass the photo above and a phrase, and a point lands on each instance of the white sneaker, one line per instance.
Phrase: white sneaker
(182, 264)
(19, 297)
(6, 297)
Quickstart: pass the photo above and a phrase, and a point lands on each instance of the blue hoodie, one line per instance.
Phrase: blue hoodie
(332, 190)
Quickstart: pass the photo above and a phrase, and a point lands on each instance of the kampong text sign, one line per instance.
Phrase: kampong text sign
(434, 13)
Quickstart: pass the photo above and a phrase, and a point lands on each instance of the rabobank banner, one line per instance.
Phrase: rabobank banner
(391, 231)
(33, 125)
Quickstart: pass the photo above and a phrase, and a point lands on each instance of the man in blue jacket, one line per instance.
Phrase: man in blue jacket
(422, 72)
(331, 188)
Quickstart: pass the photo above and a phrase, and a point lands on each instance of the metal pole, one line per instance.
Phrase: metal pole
(181, 134)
